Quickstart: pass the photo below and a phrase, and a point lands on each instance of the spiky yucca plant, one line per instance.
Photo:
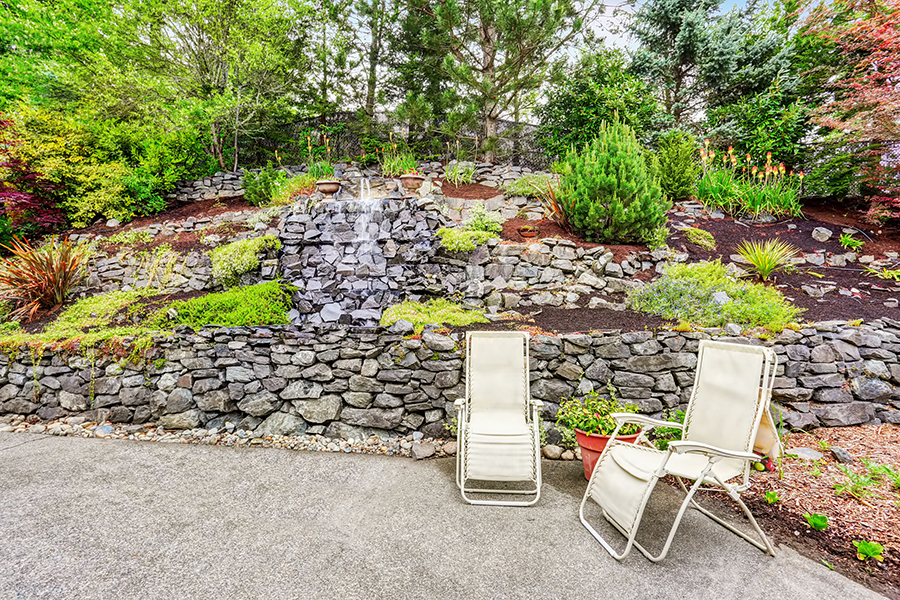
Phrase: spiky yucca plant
(766, 257)
(40, 277)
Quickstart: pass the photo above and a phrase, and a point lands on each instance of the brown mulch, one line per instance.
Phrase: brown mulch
(549, 229)
(866, 293)
(873, 518)
(470, 191)
(177, 212)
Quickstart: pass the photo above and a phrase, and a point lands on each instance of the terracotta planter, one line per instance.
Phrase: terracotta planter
(527, 231)
(328, 186)
(592, 446)
(412, 182)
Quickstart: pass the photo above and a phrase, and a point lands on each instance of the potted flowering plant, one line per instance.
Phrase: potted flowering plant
(593, 425)
(411, 179)
(323, 170)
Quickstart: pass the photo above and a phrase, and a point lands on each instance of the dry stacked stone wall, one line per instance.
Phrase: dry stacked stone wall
(289, 381)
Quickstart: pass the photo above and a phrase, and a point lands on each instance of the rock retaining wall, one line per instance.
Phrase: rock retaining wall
(286, 381)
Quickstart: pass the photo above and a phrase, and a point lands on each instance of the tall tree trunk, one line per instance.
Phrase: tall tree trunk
(374, 57)
(237, 113)
(488, 51)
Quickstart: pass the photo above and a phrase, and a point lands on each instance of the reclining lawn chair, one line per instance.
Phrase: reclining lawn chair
(498, 422)
(729, 400)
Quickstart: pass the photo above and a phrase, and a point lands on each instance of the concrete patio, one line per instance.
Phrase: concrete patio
(90, 518)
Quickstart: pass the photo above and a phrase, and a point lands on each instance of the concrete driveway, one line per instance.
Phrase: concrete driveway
(89, 518)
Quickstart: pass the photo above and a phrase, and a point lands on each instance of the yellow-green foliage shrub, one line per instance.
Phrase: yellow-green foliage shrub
(60, 148)
(232, 260)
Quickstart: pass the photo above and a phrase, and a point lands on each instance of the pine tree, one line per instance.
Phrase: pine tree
(609, 192)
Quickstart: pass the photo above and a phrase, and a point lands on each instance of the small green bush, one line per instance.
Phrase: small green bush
(293, 187)
(678, 165)
(439, 310)
(700, 237)
(261, 304)
(531, 185)
(482, 220)
(657, 238)
(685, 292)
(462, 240)
(232, 260)
(259, 188)
(609, 192)
(129, 238)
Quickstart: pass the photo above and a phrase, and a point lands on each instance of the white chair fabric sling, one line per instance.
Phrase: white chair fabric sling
(730, 398)
(498, 422)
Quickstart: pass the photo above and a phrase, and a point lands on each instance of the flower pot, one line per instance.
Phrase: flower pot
(592, 446)
(328, 186)
(527, 231)
(412, 182)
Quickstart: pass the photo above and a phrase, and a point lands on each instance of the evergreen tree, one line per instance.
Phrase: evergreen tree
(498, 49)
(608, 191)
(672, 37)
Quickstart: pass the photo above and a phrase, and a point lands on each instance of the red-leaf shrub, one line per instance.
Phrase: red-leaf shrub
(25, 194)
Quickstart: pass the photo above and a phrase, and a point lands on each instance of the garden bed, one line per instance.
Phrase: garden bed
(808, 487)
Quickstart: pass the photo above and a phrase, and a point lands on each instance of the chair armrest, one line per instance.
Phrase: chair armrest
(460, 403)
(643, 420)
(537, 403)
(682, 447)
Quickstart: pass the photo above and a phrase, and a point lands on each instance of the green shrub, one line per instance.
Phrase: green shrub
(232, 260)
(439, 310)
(531, 185)
(288, 191)
(259, 188)
(609, 192)
(700, 237)
(657, 238)
(685, 292)
(455, 239)
(678, 165)
(6, 231)
(129, 238)
(261, 304)
(482, 220)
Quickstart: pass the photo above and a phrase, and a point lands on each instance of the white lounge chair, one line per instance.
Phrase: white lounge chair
(498, 422)
(730, 398)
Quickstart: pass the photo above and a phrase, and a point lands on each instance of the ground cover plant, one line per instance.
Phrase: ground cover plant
(437, 311)
(474, 231)
(260, 304)
(706, 294)
(232, 260)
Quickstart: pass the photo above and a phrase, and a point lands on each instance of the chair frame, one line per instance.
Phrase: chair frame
(713, 455)
(532, 414)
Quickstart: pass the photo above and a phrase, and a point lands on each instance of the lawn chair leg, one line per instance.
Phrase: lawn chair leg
(765, 545)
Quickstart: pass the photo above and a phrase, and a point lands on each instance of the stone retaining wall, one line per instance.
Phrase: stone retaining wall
(285, 380)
